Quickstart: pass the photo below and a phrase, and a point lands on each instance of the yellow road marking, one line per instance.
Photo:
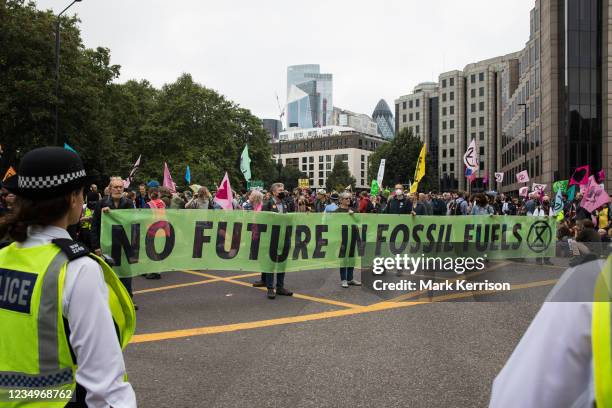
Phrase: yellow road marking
(199, 331)
(182, 285)
(233, 279)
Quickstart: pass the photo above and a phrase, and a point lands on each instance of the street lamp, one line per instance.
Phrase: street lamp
(524, 105)
(57, 70)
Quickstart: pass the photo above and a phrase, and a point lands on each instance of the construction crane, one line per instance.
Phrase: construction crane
(280, 110)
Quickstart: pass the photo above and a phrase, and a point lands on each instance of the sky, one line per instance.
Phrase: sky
(375, 49)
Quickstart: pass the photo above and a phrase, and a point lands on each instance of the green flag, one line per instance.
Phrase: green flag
(560, 185)
(245, 163)
(374, 189)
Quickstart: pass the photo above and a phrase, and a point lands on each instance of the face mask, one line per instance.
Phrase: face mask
(399, 192)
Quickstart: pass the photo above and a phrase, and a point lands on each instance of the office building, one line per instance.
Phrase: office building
(309, 96)
(384, 120)
(360, 122)
(273, 127)
(314, 151)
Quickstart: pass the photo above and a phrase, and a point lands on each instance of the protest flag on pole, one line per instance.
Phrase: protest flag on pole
(245, 163)
(168, 183)
(224, 196)
(135, 168)
(419, 172)
(67, 147)
(188, 175)
(580, 176)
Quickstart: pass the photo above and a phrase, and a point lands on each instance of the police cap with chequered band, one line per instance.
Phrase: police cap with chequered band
(49, 172)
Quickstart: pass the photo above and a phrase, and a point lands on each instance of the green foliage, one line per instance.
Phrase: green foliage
(340, 177)
(109, 124)
(401, 156)
(282, 174)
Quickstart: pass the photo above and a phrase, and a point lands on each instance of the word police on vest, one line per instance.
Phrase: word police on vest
(16, 290)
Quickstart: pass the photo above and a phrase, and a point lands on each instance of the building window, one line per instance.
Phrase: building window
(481, 77)
(452, 138)
(444, 83)
(320, 158)
(481, 106)
(311, 167)
(417, 103)
(417, 129)
(404, 118)
(363, 157)
(452, 110)
(481, 165)
(321, 182)
(473, 107)
(481, 121)
(410, 117)
(451, 96)
(473, 122)
(328, 158)
(473, 78)
(481, 136)
(482, 150)
(443, 139)
(452, 124)
(320, 166)
(404, 105)
(473, 93)
(444, 167)
(328, 166)
(417, 115)
(443, 152)
(481, 91)
(452, 168)
(452, 153)
(444, 111)
(443, 97)
(443, 125)
(452, 81)
(311, 159)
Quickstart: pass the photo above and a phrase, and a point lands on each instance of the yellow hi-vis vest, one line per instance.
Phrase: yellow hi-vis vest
(35, 352)
(601, 339)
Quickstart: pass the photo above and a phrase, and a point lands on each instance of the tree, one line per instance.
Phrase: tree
(401, 156)
(108, 124)
(288, 175)
(340, 177)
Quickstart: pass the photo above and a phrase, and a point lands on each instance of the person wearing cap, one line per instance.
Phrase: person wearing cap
(65, 316)
(333, 203)
(320, 201)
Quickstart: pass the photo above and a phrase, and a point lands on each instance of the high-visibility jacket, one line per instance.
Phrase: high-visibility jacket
(87, 214)
(601, 338)
(35, 352)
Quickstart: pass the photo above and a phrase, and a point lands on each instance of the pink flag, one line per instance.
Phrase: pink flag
(168, 183)
(601, 175)
(594, 197)
(224, 195)
(524, 191)
(522, 177)
(580, 176)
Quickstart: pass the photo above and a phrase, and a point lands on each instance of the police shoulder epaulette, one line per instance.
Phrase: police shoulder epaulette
(72, 249)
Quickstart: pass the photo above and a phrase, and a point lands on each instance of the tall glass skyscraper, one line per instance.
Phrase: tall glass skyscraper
(384, 118)
(309, 96)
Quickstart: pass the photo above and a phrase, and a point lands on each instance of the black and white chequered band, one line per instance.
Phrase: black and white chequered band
(49, 181)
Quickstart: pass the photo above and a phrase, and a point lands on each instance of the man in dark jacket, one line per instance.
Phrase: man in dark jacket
(142, 197)
(399, 204)
(278, 204)
(115, 201)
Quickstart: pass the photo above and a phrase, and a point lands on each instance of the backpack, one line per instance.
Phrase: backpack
(455, 208)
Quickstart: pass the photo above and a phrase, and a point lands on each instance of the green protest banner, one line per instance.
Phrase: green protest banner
(255, 185)
(145, 241)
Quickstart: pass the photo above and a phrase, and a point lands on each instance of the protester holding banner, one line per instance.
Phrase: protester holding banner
(399, 204)
(278, 205)
(201, 201)
(142, 197)
(346, 273)
(116, 201)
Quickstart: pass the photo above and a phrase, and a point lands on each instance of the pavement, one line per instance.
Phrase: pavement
(209, 339)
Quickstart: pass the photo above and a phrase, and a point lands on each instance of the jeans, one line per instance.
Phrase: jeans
(127, 282)
(347, 273)
(280, 280)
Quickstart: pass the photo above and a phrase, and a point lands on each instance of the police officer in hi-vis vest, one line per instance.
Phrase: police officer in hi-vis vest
(565, 357)
(64, 315)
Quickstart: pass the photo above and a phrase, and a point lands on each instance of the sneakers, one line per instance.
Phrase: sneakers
(259, 284)
(354, 282)
(271, 294)
(345, 284)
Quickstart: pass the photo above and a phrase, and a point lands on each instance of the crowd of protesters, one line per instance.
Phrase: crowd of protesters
(581, 235)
